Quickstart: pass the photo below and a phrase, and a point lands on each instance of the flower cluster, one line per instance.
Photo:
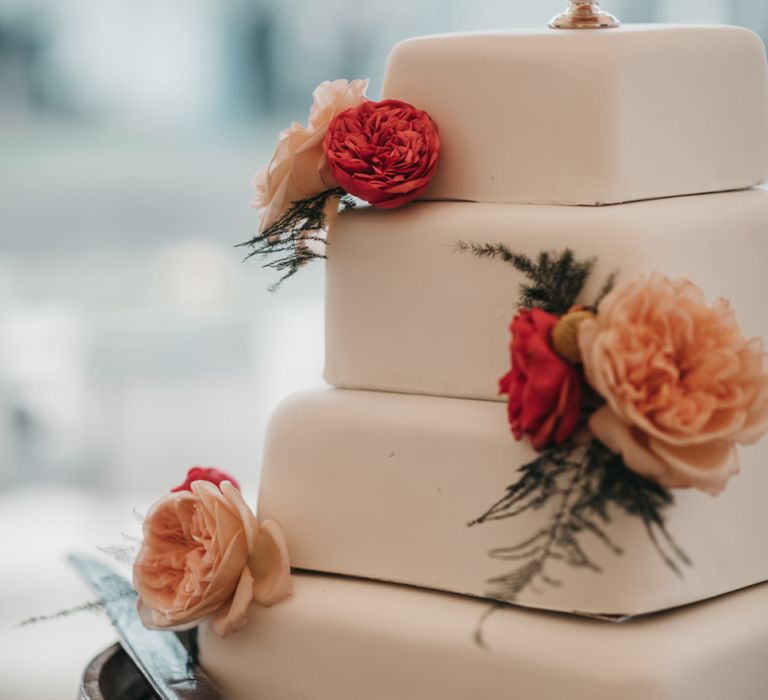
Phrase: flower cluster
(205, 554)
(384, 153)
(298, 168)
(679, 385)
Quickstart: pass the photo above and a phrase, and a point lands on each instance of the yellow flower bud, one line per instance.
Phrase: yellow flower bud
(565, 335)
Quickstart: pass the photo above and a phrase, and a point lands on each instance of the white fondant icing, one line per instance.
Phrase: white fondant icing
(339, 639)
(405, 312)
(382, 486)
(580, 117)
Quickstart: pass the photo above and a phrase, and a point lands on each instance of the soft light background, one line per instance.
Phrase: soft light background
(133, 341)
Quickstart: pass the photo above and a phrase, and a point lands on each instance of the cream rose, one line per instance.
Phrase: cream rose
(298, 168)
(682, 384)
(204, 553)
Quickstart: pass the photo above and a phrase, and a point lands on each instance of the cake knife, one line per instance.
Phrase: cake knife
(159, 655)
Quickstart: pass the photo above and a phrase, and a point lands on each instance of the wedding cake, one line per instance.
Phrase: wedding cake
(606, 178)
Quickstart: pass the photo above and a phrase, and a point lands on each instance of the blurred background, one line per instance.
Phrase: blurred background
(134, 342)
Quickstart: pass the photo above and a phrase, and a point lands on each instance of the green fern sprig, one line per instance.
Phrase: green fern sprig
(555, 280)
(580, 485)
(617, 485)
(284, 245)
(119, 591)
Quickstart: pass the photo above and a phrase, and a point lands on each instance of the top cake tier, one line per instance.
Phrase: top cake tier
(590, 116)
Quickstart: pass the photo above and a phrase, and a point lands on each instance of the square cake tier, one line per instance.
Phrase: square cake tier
(590, 117)
(342, 639)
(406, 312)
(383, 486)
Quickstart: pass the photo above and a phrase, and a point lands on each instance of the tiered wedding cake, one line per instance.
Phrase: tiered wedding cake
(637, 146)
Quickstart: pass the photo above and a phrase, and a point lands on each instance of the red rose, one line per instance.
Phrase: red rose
(382, 152)
(215, 476)
(544, 390)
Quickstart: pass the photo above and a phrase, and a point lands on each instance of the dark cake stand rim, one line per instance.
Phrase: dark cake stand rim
(112, 669)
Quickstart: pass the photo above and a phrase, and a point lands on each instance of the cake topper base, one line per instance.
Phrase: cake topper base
(584, 15)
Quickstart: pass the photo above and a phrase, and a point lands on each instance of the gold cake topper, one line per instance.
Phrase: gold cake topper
(584, 14)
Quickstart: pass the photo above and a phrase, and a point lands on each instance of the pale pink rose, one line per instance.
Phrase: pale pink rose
(204, 553)
(681, 382)
(298, 168)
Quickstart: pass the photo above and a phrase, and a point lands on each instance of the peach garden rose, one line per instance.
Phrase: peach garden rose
(298, 168)
(682, 385)
(204, 553)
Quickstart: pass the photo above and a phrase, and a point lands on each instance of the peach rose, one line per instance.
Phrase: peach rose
(298, 168)
(682, 384)
(204, 553)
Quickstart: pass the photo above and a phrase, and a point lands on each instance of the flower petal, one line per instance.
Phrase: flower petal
(234, 616)
(705, 467)
(248, 519)
(619, 438)
(270, 565)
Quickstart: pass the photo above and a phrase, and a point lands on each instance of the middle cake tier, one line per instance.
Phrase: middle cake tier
(383, 486)
(406, 312)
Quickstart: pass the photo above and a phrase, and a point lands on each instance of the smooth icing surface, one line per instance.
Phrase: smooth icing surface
(339, 639)
(382, 486)
(575, 117)
(405, 312)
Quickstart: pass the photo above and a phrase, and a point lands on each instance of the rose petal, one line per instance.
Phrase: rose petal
(270, 565)
(705, 467)
(233, 617)
(619, 438)
(247, 518)
(156, 620)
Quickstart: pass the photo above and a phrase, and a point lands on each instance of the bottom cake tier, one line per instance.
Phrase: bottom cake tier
(347, 639)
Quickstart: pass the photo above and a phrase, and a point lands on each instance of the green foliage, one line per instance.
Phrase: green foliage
(607, 288)
(118, 591)
(555, 280)
(581, 485)
(284, 245)
(636, 496)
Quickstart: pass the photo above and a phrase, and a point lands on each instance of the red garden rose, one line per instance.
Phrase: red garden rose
(215, 476)
(544, 390)
(382, 152)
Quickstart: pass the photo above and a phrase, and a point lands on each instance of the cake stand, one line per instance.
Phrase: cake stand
(112, 676)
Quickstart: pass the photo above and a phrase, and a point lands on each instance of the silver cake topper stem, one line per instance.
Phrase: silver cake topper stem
(584, 14)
